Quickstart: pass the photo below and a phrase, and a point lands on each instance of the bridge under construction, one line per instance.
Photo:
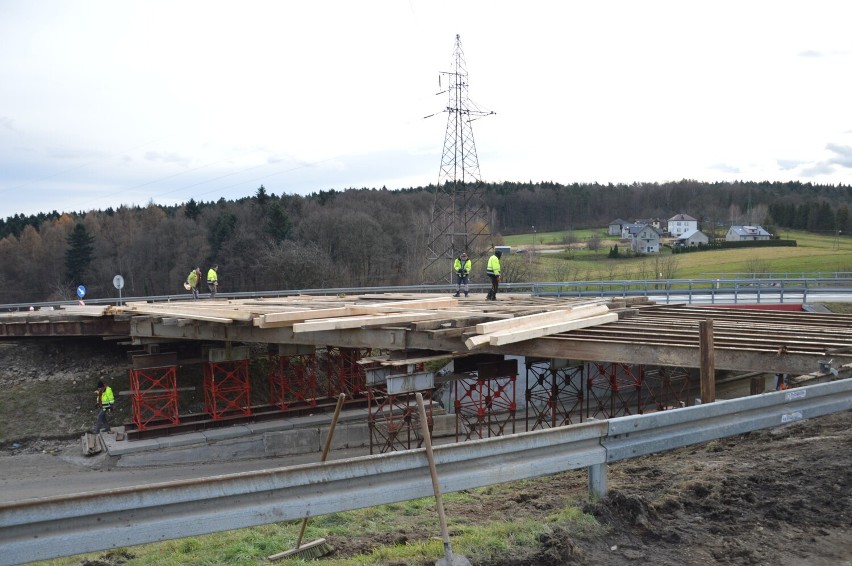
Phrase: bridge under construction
(543, 361)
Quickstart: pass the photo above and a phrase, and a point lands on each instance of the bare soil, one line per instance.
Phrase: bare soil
(774, 497)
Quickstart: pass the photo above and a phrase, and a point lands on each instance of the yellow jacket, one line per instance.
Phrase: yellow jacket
(493, 265)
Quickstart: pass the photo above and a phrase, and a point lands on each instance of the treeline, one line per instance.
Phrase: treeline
(350, 238)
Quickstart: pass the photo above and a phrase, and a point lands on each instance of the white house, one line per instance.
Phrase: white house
(680, 224)
(693, 238)
(645, 239)
(746, 233)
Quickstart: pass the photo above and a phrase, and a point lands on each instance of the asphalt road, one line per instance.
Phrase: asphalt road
(29, 476)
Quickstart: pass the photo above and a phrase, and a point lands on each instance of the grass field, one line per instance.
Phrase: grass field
(814, 255)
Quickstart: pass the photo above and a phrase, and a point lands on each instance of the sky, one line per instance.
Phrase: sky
(105, 103)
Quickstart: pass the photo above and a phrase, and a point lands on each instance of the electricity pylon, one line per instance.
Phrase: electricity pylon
(459, 214)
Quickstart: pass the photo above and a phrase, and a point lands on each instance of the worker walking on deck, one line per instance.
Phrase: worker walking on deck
(213, 280)
(106, 399)
(493, 272)
(461, 266)
(192, 280)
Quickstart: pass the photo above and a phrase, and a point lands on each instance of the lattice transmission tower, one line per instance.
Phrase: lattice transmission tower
(459, 215)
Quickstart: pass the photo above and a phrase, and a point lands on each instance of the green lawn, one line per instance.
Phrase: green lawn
(814, 255)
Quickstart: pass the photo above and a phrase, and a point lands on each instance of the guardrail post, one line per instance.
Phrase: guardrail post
(598, 480)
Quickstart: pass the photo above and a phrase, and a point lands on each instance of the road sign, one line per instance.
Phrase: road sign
(118, 282)
(81, 291)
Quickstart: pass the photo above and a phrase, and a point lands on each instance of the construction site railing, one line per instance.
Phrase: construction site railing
(722, 291)
(41, 529)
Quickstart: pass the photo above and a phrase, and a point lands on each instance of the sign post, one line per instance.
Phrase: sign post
(118, 283)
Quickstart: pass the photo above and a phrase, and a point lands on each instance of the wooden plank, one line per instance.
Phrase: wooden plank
(534, 320)
(433, 303)
(361, 321)
(209, 314)
(272, 320)
(511, 337)
(84, 310)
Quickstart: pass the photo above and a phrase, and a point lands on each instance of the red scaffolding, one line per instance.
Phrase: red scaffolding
(153, 382)
(343, 373)
(394, 418)
(485, 405)
(668, 387)
(227, 390)
(293, 379)
(613, 389)
(554, 394)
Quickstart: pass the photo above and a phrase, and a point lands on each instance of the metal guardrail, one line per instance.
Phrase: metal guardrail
(721, 291)
(47, 528)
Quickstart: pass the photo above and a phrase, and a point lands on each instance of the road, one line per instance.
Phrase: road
(29, 476)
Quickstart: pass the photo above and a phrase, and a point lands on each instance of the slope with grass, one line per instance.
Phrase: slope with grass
(813, 255)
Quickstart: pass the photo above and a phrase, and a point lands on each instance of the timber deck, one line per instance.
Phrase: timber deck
(415, 327)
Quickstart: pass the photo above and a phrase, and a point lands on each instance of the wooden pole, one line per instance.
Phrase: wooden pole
(708, 363)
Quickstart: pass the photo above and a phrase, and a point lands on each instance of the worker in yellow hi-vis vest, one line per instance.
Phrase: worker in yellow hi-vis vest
(461, 266)
(106, 399)
(213, 280)
(493, 272)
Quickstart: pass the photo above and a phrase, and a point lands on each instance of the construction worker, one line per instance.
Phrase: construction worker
(105, 402)
(213, 280)
(192, 280)
(461, 265)
(493, 272)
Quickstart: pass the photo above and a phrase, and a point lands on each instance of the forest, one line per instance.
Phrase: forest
(351, 238)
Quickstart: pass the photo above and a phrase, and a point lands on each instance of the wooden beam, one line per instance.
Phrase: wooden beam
(708, 364)
(271, 320)
(512, 336)
(361, 321)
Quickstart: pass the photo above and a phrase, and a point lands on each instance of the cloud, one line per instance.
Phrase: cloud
(725, 168)
(165, 157)
(788, 164)
(817, 169)
(843, 155)
(8, 123)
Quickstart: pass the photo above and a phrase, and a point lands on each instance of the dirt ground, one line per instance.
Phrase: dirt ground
(781, 496)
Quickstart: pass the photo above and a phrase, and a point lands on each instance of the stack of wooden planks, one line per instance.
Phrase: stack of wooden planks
(515, 318)
(509, 331)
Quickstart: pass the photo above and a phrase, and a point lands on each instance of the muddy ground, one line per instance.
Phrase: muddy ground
(781, 496)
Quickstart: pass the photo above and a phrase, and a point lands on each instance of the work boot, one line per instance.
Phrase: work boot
(465, 293)
(457, 294)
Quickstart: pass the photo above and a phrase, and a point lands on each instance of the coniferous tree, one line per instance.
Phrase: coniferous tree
(79, 256)
(192, 209)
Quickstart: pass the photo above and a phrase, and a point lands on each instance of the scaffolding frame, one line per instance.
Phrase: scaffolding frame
(155, 399)
(227, 389)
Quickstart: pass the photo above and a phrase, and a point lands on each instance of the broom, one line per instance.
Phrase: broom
(319, 547)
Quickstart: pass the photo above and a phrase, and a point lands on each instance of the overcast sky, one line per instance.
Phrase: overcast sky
(107, 102)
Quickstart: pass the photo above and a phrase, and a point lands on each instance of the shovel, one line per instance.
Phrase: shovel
(450, 559)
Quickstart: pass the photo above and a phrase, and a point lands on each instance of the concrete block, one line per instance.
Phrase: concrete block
(443, 425)
(348, 436)
(287, 442)
(270, 426)
(215, 434)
